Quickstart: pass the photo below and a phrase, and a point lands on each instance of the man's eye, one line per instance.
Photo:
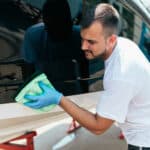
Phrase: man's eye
(91, 42)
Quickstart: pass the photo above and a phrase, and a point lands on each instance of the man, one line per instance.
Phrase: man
(126, 81)
(54, 47)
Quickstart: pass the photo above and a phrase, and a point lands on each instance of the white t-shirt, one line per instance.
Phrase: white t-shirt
(126, 95)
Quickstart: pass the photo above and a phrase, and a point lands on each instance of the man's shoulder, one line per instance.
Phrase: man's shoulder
(126, 41)
(76, 28)
(76, 32)
(36, 28)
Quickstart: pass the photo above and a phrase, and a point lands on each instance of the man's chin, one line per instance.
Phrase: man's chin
(89, 57)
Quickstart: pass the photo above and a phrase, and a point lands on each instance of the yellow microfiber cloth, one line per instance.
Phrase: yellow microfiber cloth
(31, 87)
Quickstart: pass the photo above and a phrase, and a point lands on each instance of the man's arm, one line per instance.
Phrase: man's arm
(93, 122)
(49, 96)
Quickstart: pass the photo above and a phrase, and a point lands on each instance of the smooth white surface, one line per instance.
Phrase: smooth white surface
(16, 119)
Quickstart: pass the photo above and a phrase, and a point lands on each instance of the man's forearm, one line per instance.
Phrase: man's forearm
(85, 118)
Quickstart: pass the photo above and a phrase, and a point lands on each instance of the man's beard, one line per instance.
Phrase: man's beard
(101, 56)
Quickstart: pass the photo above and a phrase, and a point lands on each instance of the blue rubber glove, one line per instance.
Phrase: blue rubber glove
(49, 96)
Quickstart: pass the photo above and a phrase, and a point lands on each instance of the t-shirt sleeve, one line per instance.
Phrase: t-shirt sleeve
(115, 100)
(28, 49)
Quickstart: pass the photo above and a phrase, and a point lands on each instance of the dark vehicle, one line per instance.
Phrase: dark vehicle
(138, 19)
(17, 15)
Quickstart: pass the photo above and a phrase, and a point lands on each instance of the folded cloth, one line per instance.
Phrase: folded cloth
(31, 87)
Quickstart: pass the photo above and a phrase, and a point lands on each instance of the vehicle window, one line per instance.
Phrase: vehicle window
(145, 40)
(16, 17)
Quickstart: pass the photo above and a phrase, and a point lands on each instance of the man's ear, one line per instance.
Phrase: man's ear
(111, 41)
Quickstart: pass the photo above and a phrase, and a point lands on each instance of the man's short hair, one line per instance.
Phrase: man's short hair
(106, 15)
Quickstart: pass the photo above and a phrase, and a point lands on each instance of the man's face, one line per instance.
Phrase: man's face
(94, 43)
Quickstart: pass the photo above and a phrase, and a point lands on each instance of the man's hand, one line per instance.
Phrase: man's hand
(49, 96)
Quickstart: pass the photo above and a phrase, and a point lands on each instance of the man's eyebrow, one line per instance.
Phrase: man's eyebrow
(91, 41)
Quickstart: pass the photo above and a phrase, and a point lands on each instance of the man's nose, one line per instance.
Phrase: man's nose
(84, 45)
